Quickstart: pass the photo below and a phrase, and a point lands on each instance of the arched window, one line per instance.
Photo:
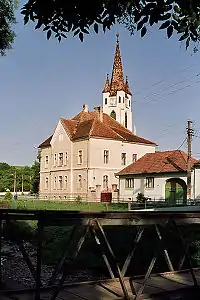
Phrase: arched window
(113, 114)
(66, 182)
(105, 181)
(60, 182)
(126, 119)
(80, 183)
(46, 183)
(119, 99)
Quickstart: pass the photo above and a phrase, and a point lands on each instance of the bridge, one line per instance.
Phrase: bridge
(176, 283)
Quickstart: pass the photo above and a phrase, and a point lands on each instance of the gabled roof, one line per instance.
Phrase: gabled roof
(87, 124)
(159, 162)
(46, 143)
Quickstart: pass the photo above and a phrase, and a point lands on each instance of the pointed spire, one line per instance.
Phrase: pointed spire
(107, 85)
(117, 80)
(127, 88)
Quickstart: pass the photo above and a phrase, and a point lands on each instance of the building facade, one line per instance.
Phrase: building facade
(83, 155)
(160, 176)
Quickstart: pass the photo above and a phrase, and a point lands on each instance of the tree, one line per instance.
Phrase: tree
(7, 20)
(78, 16)
(35, 181)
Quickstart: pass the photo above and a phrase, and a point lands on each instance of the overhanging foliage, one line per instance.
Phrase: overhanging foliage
(62, 17)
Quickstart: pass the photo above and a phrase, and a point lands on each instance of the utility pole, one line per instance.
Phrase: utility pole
(189, 143)
(15, 179)
(22, 183)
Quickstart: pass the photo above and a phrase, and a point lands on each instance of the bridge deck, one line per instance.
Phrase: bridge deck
(157, 287)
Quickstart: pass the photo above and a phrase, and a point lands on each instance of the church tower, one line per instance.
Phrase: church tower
(117, 94)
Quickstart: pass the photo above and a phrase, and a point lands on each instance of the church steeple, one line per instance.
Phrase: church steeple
(117, 94)
(127, 88)
(117, 80)
(107, 85)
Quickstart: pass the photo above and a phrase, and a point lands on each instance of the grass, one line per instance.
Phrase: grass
(53, 205)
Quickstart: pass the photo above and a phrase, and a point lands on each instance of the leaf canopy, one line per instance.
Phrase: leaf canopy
(80, 17)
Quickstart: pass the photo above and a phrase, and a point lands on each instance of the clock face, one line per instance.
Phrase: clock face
(112, 101)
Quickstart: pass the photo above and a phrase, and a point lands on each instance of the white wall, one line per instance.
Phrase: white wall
(119, 108)
(196, 184)
(96, 161)
(157, 193)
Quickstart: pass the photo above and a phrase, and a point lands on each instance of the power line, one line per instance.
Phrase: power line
(170, 93)
(182, 144)
(163, 80)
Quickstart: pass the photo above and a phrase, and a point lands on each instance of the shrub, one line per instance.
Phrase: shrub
(78, 199)
(140, 197)
(8, 196)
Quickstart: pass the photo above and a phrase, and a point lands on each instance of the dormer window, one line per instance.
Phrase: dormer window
(119, 99)
(106, 101)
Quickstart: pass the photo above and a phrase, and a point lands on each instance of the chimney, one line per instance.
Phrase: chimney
(85, 107)
(99, 110)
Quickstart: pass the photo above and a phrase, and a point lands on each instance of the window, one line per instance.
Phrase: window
(126, 121)
(60, 182)
(106, 101)
(80, 157)
(129, 102)
(119, 99)
(123, 159)
(134, 157)
(46, 161)
(55, 183)
(150, 182)
(60, 137)
(106, 156)
(60, 159)
(66, 158)
(46, 183)
(66, 182)
(114, 187)
(55, 159)
(80, 183)
(113, 114)
(105, 181)
(129, 183)
(123, 99)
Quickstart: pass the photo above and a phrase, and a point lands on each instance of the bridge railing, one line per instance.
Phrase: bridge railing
(95, 224)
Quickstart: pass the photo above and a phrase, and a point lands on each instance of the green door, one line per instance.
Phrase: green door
(175, 191)
(170, 192)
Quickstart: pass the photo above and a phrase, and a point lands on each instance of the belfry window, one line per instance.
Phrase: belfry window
(113, 114)
(126, 120)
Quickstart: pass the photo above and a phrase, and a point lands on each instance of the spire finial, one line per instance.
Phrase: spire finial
(117, 35)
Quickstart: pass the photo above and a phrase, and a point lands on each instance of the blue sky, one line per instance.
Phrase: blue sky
(42, 81)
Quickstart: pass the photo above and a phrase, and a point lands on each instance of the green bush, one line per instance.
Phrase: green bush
(140, 197)
(78, 199)
(8, 196)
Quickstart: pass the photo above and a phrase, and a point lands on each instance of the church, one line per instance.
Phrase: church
(84, 154)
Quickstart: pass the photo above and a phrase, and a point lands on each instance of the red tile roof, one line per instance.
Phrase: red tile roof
(46, 143)
(159, 162)
(87, 124)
